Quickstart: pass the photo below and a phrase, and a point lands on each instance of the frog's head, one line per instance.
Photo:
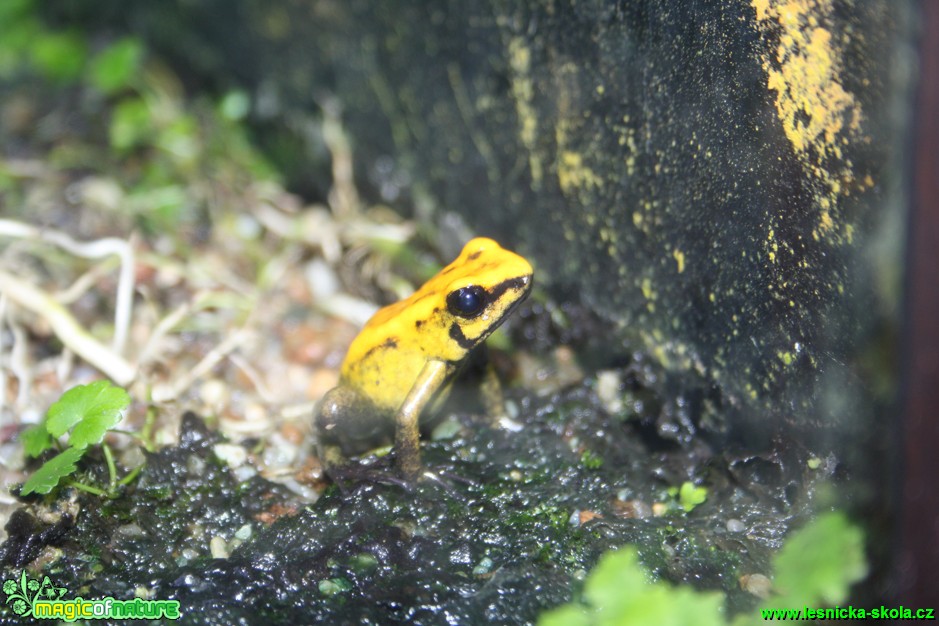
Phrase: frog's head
(451, 313)
(481, 288)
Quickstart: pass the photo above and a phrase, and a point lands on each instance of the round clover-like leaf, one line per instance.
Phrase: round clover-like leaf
(48, 476)
(89, 411)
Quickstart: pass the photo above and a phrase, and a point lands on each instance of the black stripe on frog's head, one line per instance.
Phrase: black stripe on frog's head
(522, 285)
(456, 334)
(477, 311)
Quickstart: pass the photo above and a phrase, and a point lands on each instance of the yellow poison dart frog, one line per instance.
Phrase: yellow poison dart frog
(405, 357)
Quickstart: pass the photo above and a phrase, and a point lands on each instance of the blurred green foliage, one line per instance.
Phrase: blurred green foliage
(59, 56)
(816, 567)
(115, 67)
(618, 592)
(689, 495)
(170, 153)
(819, 563)
(18, 29)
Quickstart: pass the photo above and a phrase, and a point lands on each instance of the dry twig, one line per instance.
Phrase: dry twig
(91, 249)
(67, 329)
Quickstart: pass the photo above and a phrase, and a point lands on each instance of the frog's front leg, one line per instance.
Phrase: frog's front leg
(407, 430)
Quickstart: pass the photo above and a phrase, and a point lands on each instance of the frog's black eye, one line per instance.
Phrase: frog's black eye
(467, 301)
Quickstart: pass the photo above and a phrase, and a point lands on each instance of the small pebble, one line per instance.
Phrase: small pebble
(244, 533)
(632, 509)
(130, 530)
(218, 547)
(144, 593)
(245, 472)
(215, 393)
(483, 567)
(736, 526)
(279, 452)
(330, 587)
(586, 516)
(756, 584)
(608, 391)
(233, 454)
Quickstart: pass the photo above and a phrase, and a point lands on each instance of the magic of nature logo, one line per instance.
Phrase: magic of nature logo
(30, 597)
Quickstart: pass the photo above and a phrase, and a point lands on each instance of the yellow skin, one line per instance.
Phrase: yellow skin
(407, 353)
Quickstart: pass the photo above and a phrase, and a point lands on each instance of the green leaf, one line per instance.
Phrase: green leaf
(91, 409)
(18, 29)
(235, 105)
(52, 471)
(12, 10)
(616, 571)
(591, 460)
(131, 124)
(59, 56)
(162, 208)
(36, 440)
(566, 615)
(819, 563)
(618, 593)
(180, 138)
(116, 66)
(690, 496)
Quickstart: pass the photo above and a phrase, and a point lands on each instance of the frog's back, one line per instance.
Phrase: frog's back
(385, 359)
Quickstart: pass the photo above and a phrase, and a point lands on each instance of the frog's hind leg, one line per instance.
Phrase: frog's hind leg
(493, 398)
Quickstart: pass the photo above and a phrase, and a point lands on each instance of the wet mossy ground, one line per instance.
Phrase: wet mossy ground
(507, 529)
